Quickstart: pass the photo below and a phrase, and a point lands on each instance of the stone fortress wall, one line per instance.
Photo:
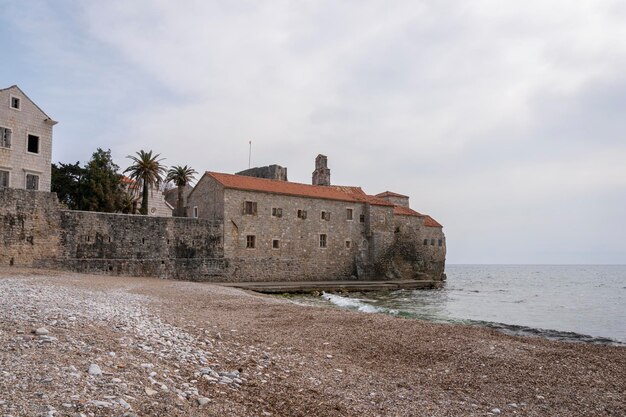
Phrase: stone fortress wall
(36, 231)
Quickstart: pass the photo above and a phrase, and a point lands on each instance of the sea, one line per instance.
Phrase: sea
(575, 303)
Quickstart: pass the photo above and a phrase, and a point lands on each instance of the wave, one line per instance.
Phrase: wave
(355, 304)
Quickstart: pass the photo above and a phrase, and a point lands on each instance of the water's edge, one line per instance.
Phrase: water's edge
(339, 301)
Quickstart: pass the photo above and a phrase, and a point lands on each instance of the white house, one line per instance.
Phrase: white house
(25, 142)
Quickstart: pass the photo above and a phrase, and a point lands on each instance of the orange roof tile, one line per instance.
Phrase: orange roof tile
(391, 194)
(405, 211)
(264, 185)
(430, 222)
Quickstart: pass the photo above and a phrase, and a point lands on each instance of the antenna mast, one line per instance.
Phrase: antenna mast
(250, 154)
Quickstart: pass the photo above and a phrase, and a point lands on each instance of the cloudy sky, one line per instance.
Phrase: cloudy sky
(504, 120)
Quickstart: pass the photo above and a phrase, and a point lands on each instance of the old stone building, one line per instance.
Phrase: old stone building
(25, 142)
(274, 228)
(240, 228)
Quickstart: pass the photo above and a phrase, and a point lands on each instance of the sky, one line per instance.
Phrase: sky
(504, 120)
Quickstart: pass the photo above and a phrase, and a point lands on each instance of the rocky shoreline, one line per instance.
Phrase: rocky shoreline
(82, 345)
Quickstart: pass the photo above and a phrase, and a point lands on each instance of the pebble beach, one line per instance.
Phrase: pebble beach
(83, 345)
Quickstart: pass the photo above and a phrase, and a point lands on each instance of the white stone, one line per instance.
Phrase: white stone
(95, 370)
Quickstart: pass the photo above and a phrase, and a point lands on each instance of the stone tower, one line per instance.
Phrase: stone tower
(321, 175)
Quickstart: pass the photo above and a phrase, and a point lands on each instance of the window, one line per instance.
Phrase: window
(195, 211)
(249, 207)
(16, 103)
(432, 242)
(277, 212)
(349, 213)
(326, 215)
(362, 218)
(5, 137)
(322, 241)
(348, 244)
(33, 144)
(250, 241)
(276, 244)
(302, 214)
(4, 179)
(440, 242)
(425, 242)
(32, 182)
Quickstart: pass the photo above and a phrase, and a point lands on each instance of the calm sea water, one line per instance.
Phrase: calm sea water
(574, 302)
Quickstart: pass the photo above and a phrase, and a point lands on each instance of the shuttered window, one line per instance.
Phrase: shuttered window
(249, 207)
(4, 179)
(5, 137)
(32, 182)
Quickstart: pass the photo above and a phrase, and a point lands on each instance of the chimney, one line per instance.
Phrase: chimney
(321, 175)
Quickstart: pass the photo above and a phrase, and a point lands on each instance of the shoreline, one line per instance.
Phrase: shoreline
(518, 330)
(167, 348)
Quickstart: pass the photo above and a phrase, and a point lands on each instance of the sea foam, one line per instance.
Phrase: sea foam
(355, 304)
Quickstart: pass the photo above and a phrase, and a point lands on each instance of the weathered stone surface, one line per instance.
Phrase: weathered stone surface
(272, 172)
(372, 243)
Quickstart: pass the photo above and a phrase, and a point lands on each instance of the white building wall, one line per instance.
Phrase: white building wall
(16, 159)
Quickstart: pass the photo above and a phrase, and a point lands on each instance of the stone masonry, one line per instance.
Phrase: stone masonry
(36, 232)
(271, 233)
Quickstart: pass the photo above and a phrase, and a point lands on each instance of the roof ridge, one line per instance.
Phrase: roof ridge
(267, 185)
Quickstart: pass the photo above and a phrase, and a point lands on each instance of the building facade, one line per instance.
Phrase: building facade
(321, 232)
(25, 142)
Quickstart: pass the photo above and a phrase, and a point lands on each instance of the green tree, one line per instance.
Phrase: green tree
(181, 177)
(101, 186)
(66, 182)
(147, 171)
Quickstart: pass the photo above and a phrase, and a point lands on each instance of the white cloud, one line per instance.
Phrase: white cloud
(470, 107)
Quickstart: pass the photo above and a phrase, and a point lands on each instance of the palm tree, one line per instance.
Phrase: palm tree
(181, 176)
(147, 171)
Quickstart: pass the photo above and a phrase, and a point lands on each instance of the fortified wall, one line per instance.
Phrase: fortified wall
(36, 232)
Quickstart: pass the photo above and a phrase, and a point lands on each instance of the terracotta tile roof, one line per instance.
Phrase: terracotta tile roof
(405, 211)
(333, 192)
(391, 194)
(430, 222)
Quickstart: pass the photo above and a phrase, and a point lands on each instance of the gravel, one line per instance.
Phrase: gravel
(82, 345)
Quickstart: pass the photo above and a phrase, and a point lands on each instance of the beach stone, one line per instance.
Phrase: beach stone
(95, 370)
(226, 380)
(124, 404)
(42, 331)
(150, 392)
(203, 401)
(495, 411)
